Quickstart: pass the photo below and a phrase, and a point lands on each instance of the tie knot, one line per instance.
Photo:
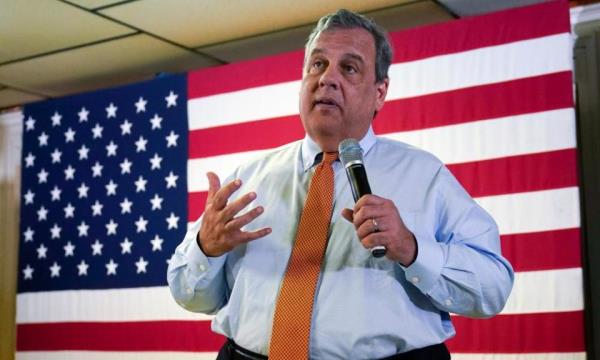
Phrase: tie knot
(330, 157)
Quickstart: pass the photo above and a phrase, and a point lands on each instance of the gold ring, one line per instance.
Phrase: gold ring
(375, 225)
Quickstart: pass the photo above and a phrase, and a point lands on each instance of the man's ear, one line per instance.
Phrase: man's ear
(382, 88)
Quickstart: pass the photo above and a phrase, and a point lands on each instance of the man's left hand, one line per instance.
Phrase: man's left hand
(378, 222)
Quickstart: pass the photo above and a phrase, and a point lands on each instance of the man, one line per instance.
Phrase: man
(443, 252)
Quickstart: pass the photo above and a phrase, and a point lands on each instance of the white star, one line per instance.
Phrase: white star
(111, 149)
(171, 99)
(140, 144)
(97, 248)
(83, 114)
(97, 208)
(156, 202)
(125, 206)
(97, 169)
(111, 188)
(43, 139)
(29, 160)
(28, 272)
(42, 250)
(141, 265)
(69, 173)
(69, 249)
(42, 213)
(83, 190)
(69, 135)
(56, 154)
(140, 184)
(30, 124)
(126, 166)
(83, 229)
(171, 180)
(140, 105)
(29, 197)
(69, 211)
(55, 193)
(111, 228)
(97, 131)
(83, 152)
(126, 246)
(55, 270)
(140, 224)
(111, 268)
(172, 139)
(55, 231)
(56, 119)
(156, 243)
(111, 111)
(155, 121)
(155, 161)
(172, 221)
(82, 268)
(126, 127)
(42, 176)
(28, 234)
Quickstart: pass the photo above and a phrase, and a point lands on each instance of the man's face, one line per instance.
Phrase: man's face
(339, 95)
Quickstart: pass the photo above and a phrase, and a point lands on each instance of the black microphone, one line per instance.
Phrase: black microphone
(352, 158)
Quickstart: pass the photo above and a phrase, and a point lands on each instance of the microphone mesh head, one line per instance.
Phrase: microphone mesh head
(350, 152)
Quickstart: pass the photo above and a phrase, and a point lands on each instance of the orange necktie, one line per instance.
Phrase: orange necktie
(293, 312)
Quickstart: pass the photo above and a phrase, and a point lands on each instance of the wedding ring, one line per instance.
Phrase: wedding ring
(375, 225)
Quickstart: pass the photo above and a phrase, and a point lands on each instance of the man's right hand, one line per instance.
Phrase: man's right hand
(221, 229)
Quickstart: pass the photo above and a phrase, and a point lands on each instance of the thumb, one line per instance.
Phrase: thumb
(348, 214)
(214, 184)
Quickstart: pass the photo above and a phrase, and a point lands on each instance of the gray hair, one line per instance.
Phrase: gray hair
(345, 19)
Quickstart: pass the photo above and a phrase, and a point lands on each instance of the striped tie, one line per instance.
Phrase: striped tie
(293, 312)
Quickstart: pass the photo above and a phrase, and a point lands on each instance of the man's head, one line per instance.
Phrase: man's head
(345, 80)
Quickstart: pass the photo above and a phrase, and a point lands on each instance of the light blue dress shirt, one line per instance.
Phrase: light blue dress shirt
(365, 307)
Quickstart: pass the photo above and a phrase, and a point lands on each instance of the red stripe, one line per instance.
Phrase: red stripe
(524, 333)
(546, 250)
(514, 174)
(121, 336)
(196, 202)
(419, 43)
(529, 95)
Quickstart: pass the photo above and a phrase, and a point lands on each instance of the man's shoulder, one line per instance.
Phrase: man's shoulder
(404, 151)
(272, 159)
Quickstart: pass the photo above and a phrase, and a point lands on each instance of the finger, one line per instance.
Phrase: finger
(234, 207)
(372, 240)
(366, 213)
(366, 228)
(369, 199)
(348, 214)
(245, 219)
(248, 236)
(214, 184)
(222, 196)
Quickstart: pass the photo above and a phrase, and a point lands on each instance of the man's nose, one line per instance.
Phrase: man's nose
(330, 78)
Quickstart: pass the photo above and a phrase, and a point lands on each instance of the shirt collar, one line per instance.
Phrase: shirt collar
(310, 149)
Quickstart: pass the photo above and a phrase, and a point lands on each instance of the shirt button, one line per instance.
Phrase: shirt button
(189, 291)
(415, 279)
(448, 302)
(202, 268)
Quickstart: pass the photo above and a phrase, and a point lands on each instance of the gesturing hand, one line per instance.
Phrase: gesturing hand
(221, 229)
(388, 229)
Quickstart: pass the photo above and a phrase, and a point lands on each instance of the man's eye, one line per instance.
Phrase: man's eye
(350, 69)
(317, 64)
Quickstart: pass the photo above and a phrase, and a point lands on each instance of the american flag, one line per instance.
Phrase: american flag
(490, 95)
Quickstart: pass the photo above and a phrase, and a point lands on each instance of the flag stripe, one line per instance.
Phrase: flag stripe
(529, 95)
(409, 45)
(550, 332)
(494, 138)
(524, 59)
(558, 249)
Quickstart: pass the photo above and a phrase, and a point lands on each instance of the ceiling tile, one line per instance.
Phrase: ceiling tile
(476, 7)
(10, 97)
(392, 19)
(94, 4)
(198, 23)
(117, 62)
(28, 28)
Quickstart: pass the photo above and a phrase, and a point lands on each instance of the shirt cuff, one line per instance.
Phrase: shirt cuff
(203, 266)
(426, 270)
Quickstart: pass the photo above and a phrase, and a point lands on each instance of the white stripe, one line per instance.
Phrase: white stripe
(101, 305)
(539, 291)
(558, 290)
(432, 75)
(534, 211)
(113, 355)
(472, 141)
(109, 355)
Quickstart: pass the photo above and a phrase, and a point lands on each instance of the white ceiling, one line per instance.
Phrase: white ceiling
(51, 48)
